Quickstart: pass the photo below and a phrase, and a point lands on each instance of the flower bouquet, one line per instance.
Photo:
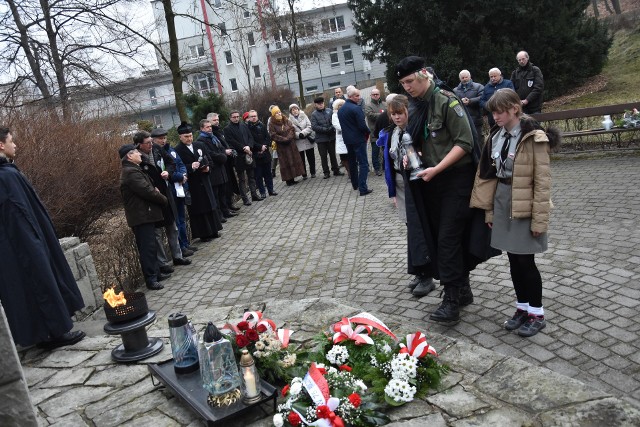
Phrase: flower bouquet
(267, 344)
(631, 119)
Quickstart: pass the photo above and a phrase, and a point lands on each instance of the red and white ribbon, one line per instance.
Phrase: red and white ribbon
(318, 388)
(255, 317)
(368, 319)
(417, 346)
(344, 331)
(266, 325)
(283, 336)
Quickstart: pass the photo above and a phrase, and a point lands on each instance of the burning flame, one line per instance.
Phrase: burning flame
(114, 299)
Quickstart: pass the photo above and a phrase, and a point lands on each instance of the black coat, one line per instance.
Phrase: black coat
(217, 158)
(163, 162)
(233, 180)
(142, 203)
(260, 137)
(239, 136)
(202, 199)
(37, 288)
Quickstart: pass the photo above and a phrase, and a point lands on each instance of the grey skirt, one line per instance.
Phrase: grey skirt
(513, 235)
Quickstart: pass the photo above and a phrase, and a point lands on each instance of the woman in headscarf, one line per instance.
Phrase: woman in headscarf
(283, 133)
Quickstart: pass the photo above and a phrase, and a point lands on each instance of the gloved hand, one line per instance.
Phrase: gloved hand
(301, 136)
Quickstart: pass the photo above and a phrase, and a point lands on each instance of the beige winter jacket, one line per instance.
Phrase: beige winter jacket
(531, 181)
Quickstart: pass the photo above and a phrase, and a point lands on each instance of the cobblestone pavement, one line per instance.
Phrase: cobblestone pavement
(321, 239)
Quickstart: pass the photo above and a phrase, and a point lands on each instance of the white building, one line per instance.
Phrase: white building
(228, 49)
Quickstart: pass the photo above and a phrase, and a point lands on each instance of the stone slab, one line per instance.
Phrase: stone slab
(119, 376)
(15, 409)
(37, 375)
(121, 397)
(608, 412)
(152, 419)
(119, 414)
(68, 377)
(72, 420)
(64, 359)
(457, 402)
(502, 417)
(433, 420)
(470, 357)
(72, 399)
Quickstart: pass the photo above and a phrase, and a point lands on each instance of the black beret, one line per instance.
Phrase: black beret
(409, 65)
(158, 132)
(318, 100)
(125, 149)
(184, 128)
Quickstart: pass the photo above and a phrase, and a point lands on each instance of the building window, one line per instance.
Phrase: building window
(252, 41)
(334, 84)
(157, 121)
(256, 71)
(203, 83)
(234, 85)
(348, 55)
(152, 97)
(228, 57)
(196, 51)
(285, 60)
(333, 55)
(333, 25)
(223, 28)
(217, 3)
(246, 14)
(305, 29)
(311, 89)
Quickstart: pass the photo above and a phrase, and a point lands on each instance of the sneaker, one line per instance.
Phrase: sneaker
(425, 286)
(532, 326)
(518, 319)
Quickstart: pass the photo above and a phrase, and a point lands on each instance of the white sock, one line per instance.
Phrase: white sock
(524, 306)
(538, 311)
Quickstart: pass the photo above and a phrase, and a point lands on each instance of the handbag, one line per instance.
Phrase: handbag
(311, 137)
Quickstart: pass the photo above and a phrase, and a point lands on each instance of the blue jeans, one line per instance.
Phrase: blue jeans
(375, 156)
(358, 166)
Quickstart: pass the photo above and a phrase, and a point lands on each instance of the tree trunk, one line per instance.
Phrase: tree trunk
(174, 60)
(56, 59)
(594, 5)
(616, 6)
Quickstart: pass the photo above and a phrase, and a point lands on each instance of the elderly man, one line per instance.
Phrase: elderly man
(496, 81)
(529, 84)
(143, 204)
(325, 137)
(356, 134)
(37, 289)
(372, 110)
(441, 133)
(470, 94)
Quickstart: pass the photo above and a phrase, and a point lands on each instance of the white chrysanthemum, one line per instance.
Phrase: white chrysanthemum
(386, 348)
(278, 420)
(259, 345)
(332, 370)
(361, 384)
(400, 390)
(404, 366)
(288, 360)
(296, 388)
(338, 355)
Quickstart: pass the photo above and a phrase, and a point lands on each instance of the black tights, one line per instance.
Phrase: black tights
(526, 279)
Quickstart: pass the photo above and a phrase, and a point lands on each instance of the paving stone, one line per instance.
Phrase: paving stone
(65, 359)
(117, 415)
(72, 420)
(123, 396)
(457, 402)
(609, 412)
(471, 357)
(72, 399)
(496, 417)
(121, 375)
(68, 377)
(152, 419)
(433, 420)
(36, 375)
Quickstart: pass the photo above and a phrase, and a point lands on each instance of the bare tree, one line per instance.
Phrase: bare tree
(56, 46)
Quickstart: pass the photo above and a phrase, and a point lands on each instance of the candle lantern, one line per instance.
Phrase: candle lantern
(183, 344)
(414, 164)
(250, 378)
(217, 363)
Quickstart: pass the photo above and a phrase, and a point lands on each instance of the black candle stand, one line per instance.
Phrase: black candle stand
(136, 345)
(189, 389)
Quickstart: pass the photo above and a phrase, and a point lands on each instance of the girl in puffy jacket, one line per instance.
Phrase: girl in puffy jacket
(513, 186)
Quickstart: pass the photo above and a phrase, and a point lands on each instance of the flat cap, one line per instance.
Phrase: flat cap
(158, 132)
(409, 65)
(125, 149)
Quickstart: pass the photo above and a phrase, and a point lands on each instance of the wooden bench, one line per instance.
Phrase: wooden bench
(585, 126)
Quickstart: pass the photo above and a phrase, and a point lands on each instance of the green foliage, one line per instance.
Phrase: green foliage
(200, 106)
(145, 125)
(567, 45)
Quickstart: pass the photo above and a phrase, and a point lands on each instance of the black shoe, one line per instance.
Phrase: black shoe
(166, 269)
(191, 248)
(313, 175)
(518, 319)
(466, 296)
(256, 198)
(163, 276)
(223, 220)
(338, 173)
(414, 282)
(68, 338)
(273, 193)
(448, 312)
(263, 195)
(327, 175)
(369, 191)
(206, 239)
(181, 261)
(378, 173)
(304, 177)
(532, 326)
(246, 202)
(186, 252)
(229, 214)
(425, 286)
(234, 208)
(292, 182)
(154, 286)
(273, 173)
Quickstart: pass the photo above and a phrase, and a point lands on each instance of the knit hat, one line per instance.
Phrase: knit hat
(245, 116)
(125, 149)
(292, 106)
(275, 110)
(184, 128)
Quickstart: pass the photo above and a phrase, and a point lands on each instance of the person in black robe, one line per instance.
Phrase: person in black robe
(37, 289)
(203, 210)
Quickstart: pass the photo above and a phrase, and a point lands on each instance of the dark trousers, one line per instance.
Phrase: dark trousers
(146, 243)
(264, 178)
(526, 279)
(246, 177)
(181, 223)
(220, 193)
(324, 148)
(358, 166)
(447, 196)
(375, 157)
(311, 158)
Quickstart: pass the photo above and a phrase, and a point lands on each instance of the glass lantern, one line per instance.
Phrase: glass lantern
(251, 390)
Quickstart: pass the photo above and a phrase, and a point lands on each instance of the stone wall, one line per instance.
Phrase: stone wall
(84, 271)
(15, 405)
